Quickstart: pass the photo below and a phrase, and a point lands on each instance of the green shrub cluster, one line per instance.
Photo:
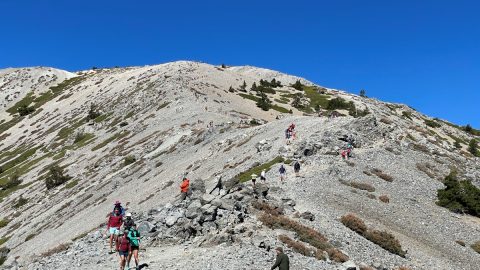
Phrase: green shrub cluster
(273, 83)
(473, 148)
(459, 196)
(25, 110)
(432, 123)
(56, 177)
(264, 102)
(129, 160)
(297, 85)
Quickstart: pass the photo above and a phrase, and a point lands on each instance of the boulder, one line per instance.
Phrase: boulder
(308, 216)
(146, 227)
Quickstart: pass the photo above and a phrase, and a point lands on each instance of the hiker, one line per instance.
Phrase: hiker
(123, 248)
(291, 128)
(134, 238)
(296, 168)
(283, 172)
(128, 222)
(345, 154)
(114, 223)
(282, 261)
(219, 185)
(254, 179)
(118, 205)
(184, 187)
(287, 136)
(263, 176)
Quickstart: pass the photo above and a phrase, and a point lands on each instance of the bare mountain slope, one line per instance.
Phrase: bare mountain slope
(132, 133)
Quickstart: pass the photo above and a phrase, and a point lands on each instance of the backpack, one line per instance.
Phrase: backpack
(132, 236)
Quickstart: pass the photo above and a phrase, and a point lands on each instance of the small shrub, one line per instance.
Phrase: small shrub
(432, 123)
(354, 223)
(407, 115)
(297, 246)
(55, 250)
(30, 237)
(476, 246)
(403, 268)
(129, 160)
(362, 186)
(231, 90)
(122, 124)
(385, 240)
(79, 137)
(267, 208)
(20, 202)
(366, 268)
(386, 121)
(461, 243)
(55, 177)
(473, 148)
(338, 103)
(336, 255)
(382, 175)
(421, 148)
(13, 181)
(93, 112)
(426, 168)
(297, 85)
(4, 222)
(24, 110)
(384, 199)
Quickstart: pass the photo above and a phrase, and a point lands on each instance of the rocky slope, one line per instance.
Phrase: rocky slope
(152, 126)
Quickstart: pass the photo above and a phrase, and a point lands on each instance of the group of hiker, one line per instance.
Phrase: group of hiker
(123, 231)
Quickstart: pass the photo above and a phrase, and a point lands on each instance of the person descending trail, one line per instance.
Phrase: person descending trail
(282, 261)
(184, 188)
(114, 223)
(134, 238)
(123, 248)
(263, 176)
(293, 133)
(219, 185)
(296, 168)
(118, 205)
(288, 134)
(128, 222)
(283, 173)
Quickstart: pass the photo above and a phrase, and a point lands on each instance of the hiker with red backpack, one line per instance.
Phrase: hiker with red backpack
(114, 222)
(123, 248)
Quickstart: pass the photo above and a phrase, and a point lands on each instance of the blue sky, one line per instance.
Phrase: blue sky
(422, 53)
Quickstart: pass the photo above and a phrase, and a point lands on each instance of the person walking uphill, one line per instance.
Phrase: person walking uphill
(282, 261)
(184, 188)
(283, 173)
(296, 168)
(114, 223)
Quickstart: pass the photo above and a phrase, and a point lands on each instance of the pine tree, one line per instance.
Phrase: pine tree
(297, 100)
(231, 90)
(243, 87)
(254, 87)
(473, 147)
(363, 93)
(298, 85)
(264, 102)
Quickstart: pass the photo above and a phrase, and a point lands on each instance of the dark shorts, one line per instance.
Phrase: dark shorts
(262, 178)
(123, 253)
(135, 247)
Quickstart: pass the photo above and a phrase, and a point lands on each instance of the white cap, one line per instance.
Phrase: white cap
(128, 215)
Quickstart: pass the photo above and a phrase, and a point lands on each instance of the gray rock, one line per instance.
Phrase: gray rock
(145, 227)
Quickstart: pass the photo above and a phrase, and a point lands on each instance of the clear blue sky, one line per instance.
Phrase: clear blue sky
(422, 53)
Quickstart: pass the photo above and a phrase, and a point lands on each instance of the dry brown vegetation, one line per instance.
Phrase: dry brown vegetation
(426, 168)
(384, 198)
(460, 242)
(382, 175)
(305, 234)
(386, 121)
(267, 208)
(358, 185)
(55, 250)
(382, 238)
(476, 246)
(366, 268)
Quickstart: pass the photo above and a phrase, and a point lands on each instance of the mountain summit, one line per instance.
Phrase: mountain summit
(74, 143)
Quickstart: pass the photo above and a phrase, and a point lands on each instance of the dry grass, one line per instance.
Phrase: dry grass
(55, 250)
(336, 255)
(426, 168)
(366, 268)
(382, 175)
(367, 173)
(421, 148)
(476, 246)
(461, 243)
(384, 198)
(297, 246)
(386, 121)
(382, 238)
(354, 223)
(362, 186)
(403, 268)
(267, 208)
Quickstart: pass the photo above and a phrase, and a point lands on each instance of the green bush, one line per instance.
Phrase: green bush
(407, 115)
(55, 177)
(129, 160)
(13, 182)
(20, 202)
(264, 102)
(297, 85)
(339, 103)
(459, 196)
(432, 123)
(25, 110)
(79, 137)
(4, 222)
(93, 112)
(473, 148)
